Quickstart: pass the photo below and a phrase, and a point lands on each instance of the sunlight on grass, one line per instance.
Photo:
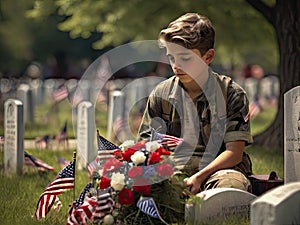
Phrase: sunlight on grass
(263, 120)
(266, 160)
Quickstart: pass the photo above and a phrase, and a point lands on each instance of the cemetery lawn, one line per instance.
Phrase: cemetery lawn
(20, 193)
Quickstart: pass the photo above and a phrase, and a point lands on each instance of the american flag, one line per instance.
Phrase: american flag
(60, 94)
(254, 109)
(105, 203)
(92, 166)
(29, 160)
(120, 126)
(147, 205)
(63, 162)
(171, 142)
(106, 149)
(93, 208)
(72, 219)
(63, 181)
(84, 212)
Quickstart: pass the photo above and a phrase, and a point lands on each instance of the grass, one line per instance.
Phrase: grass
(265, 160)
(20, 193)
(265, 119)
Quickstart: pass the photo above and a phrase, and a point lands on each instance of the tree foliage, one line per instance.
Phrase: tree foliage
(239, 27)
(24, 40)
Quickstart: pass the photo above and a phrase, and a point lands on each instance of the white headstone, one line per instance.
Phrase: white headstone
(292, 135)
(49, 87)
(36, 86)
(115, 110)
(219, 204)
(278, 206)
(86, 133)
(24, 94)
(14, 136)
(84, 87)
(251, 87)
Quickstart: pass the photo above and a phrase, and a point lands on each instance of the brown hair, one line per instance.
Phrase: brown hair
(192, 31)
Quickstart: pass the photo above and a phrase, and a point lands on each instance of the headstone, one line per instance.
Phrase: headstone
(14, 136)
(24, 94)
(219, 204)
(36, 86)
(49, 87)
(278, 206)
(292, 135)
(269, 87)
(251, 88)
(86, 133)
(6, 87)
(84, 86)
(115, 110)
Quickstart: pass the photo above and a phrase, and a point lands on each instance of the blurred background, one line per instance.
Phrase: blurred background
(47, 45)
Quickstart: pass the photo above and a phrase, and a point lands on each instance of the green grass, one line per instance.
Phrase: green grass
(20, 193)
(263, 120)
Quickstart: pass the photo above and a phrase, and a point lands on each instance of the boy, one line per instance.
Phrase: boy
(208, 110)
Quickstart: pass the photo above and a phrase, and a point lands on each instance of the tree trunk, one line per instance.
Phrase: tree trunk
(285, 18)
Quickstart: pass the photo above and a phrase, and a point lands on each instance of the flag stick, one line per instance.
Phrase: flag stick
(74, 160)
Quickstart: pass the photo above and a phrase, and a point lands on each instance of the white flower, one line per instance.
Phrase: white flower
(117, 181)
(138, 157)
(126, 144)
(152, 146)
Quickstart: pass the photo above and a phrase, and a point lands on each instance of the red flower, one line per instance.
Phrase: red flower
(164, 170)
(139, 145)
(163, 151)
(135, 172)
(104, 183)
(126, 197)
(142, 186)
(127, 154)
(154, 158)
(118, 154)
(112, 164)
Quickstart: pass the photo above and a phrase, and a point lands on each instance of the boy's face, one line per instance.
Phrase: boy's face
(187, 64)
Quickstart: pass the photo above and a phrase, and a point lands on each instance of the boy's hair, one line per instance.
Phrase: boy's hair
(192, 31)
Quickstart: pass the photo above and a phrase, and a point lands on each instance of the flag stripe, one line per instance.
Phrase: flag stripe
(32, 161)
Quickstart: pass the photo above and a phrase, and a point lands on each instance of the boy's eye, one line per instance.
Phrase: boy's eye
(185, 58)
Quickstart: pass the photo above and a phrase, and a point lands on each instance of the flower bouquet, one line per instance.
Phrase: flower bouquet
(136, 183)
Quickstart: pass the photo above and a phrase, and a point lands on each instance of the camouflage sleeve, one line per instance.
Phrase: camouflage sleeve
(238, 124)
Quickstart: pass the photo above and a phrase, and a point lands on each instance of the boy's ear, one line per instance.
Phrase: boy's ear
(209, 56)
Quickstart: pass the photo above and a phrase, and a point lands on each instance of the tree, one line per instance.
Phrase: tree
(239, 26)
(141, 20)
(24, 40)
(284, 17)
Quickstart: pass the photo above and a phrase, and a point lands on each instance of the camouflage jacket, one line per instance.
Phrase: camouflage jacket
(219, 115)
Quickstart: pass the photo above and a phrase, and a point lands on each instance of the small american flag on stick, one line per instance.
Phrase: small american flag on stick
(106, 149)
(171, 142)
(60, 94)
(77, 211)
(39, 164)
(63, 181)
